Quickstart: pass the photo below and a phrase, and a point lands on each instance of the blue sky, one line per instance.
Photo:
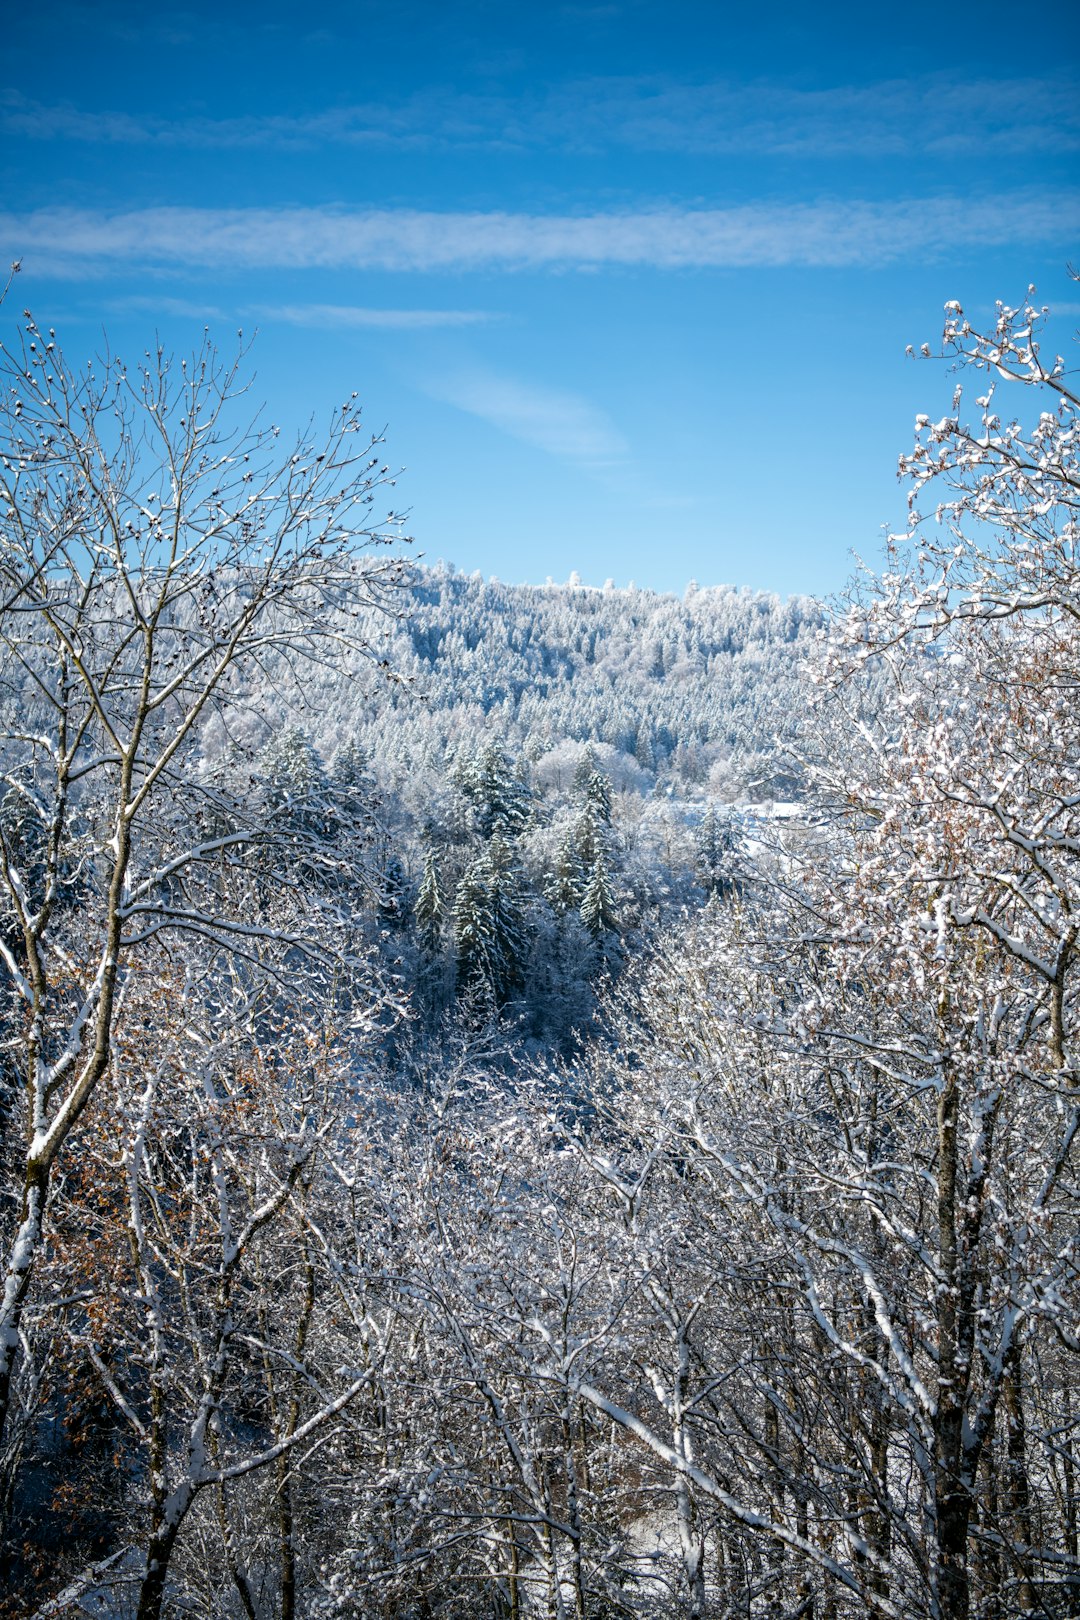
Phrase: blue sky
(629, 284)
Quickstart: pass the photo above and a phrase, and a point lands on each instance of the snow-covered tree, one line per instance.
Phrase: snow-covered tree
(874, 1071)
(154, 559)
(597, 909)
(429, 909)
(563, 886)
(717, 841)
(499, 798)
(490, 924)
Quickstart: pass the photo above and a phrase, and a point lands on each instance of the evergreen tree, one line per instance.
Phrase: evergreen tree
(593, 847)
(429, 909)
(716, 852)
(490, 929)
(564, 884)
(304, 809)
(472, 936)
(588, 837)
(351, 767)
(597, 902)
(508, 922)
(598, 796)
(498, 796)
(296, 784)
(392, 907)
(643, 747)
(584, 773)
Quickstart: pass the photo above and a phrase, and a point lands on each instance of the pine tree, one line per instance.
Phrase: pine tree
(564, 885)
(429, 909)
(490, 929)
(508, 924)
(498, 796)
(351, 767)
(588, 837)
(294, 774)
(716, 848)
(472, 936)
(593, 844)
(584, 773)
(598, 796)
(300, 800)
(643, 747)
(392, 908)
(597, 902)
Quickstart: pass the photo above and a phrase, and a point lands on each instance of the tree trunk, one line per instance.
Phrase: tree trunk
(17, 1280)
(952, 1500)
(158, 1555)
(1017, 1492)
(880, 1519)
(228, 1539)
(775, 1554)
(953, 1514)
(286, 1539)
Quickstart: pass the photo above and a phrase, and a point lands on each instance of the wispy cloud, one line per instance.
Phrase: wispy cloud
(314, 315)
(183, 308)
(563, 424)
(417, 121)
(933, 115)
(352, 315)
(72, 242)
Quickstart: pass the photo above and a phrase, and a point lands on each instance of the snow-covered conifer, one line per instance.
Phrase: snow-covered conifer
(597, 908)
(429, 909)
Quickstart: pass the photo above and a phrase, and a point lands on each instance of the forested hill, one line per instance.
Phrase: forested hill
(697, 691)
(546, 772)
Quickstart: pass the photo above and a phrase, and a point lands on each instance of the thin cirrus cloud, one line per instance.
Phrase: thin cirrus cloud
(314, 315)
(935, 114)
(41, 121)
(76, 243)
(188, 309)
(930, 116)
(352, 315)
(560, 423)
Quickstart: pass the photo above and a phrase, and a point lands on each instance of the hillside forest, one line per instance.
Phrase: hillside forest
(531, 1100)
